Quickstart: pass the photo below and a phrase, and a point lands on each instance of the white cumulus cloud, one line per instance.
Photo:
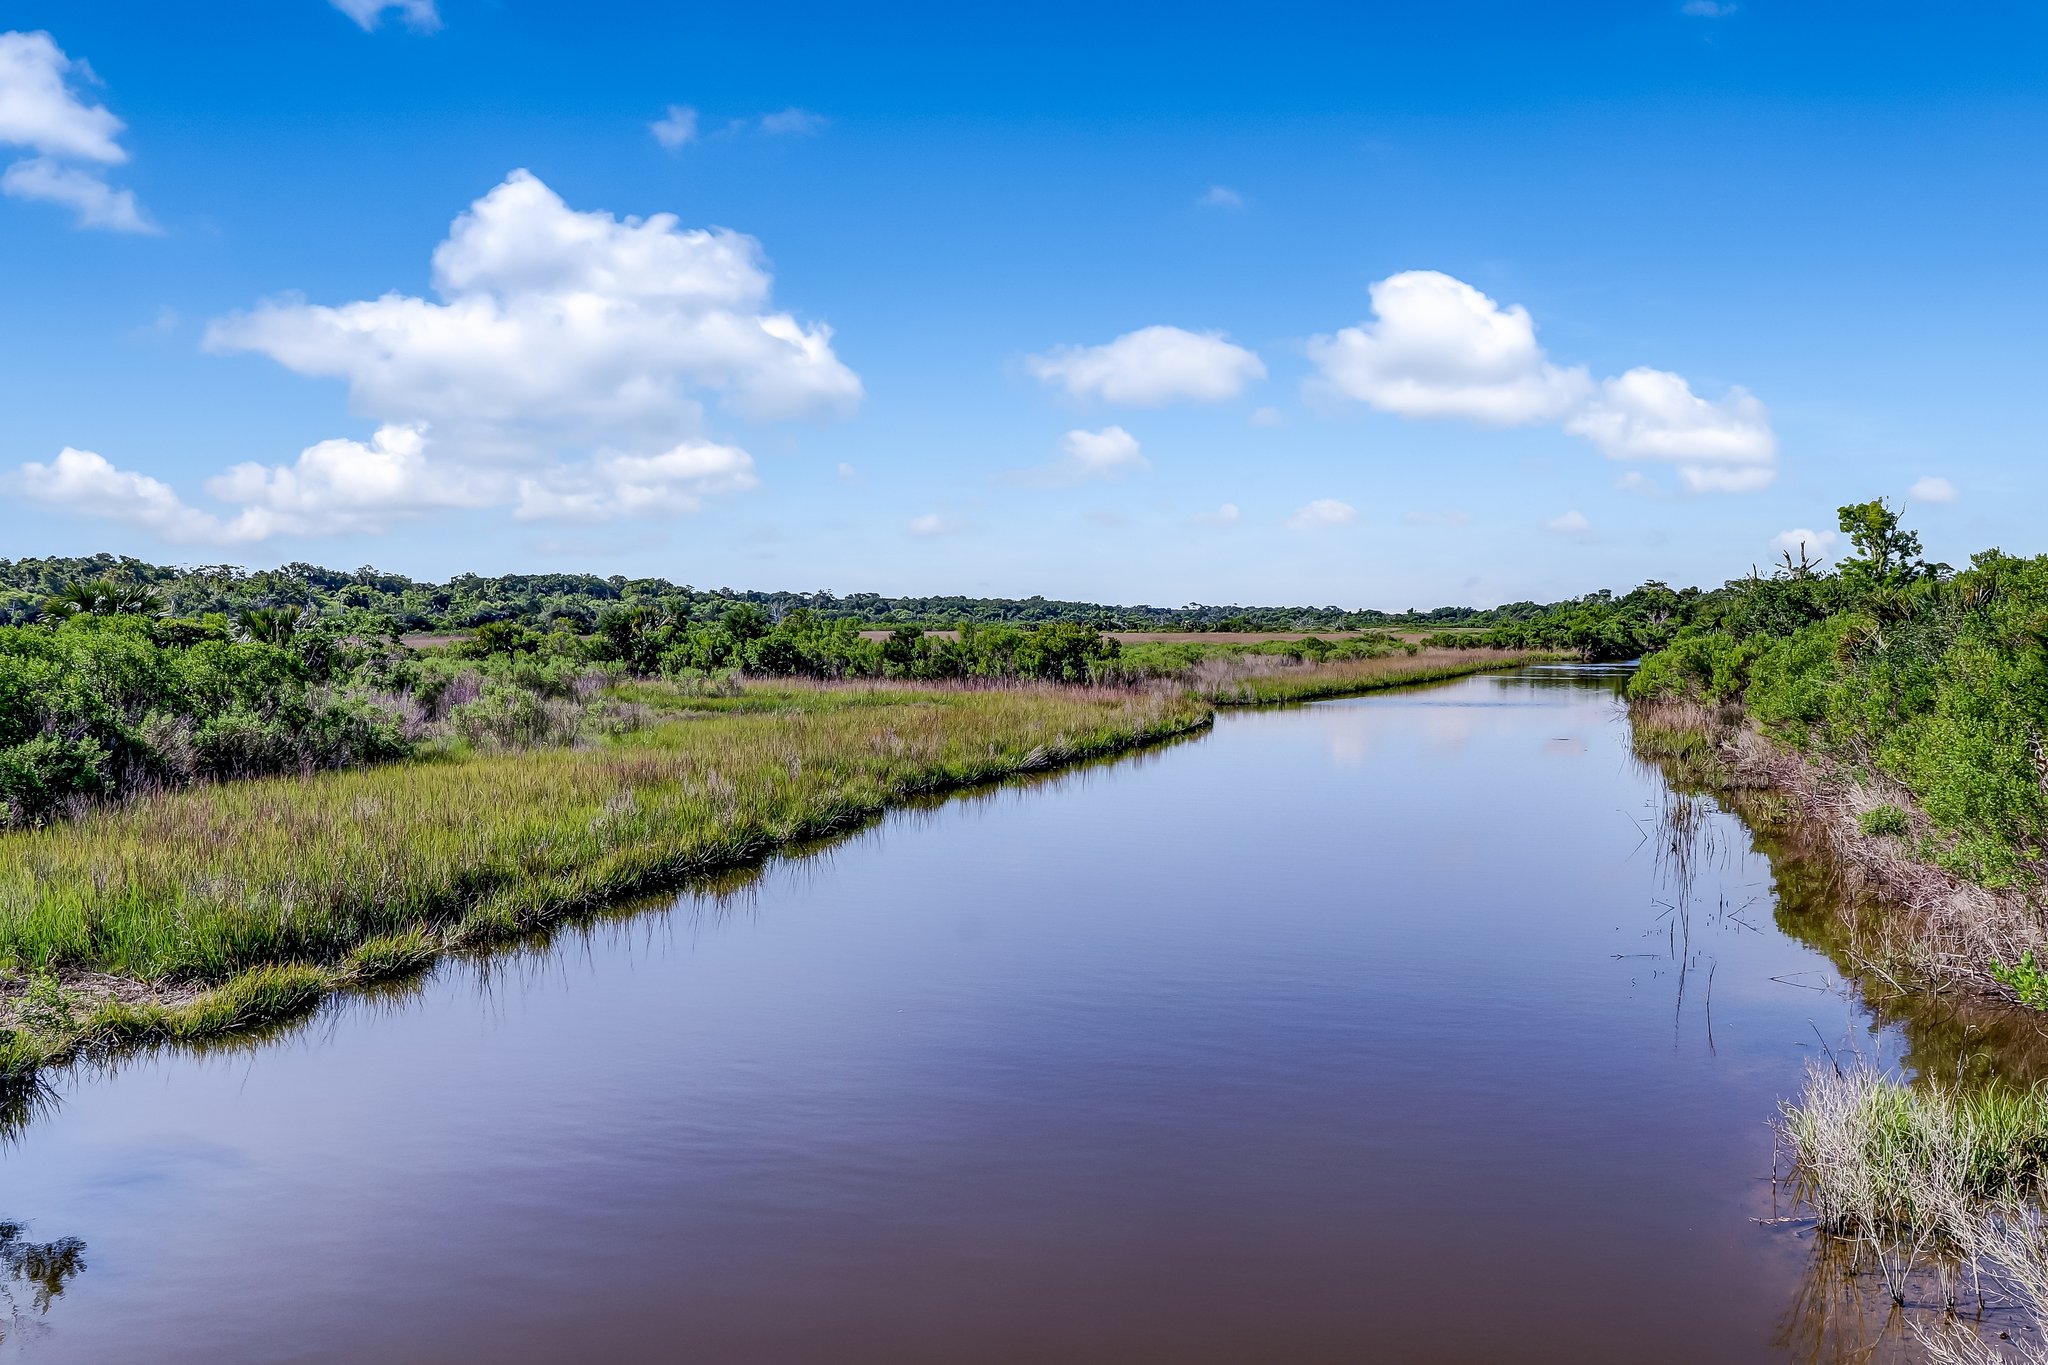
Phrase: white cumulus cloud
(342, 485)
(1102, 454)
(1226, 515)
(1322, 512)
(72, 139)
(1932, 488)
(1437, 347)
(558, 375)
(1815, 544)
(85, 482)
(1150, 367)
(562, 326)
(673, 482)
(1647, 414)
(40, 110)
(1568, 524)
(84, 192)
(420, 14)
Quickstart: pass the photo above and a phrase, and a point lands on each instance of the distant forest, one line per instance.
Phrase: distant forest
(576, 601)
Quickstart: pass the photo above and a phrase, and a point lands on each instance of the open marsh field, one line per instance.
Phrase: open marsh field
(1427, 1025)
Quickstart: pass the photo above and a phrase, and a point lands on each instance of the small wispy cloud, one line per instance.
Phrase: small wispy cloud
(1320, 513)
(1221, 197)
(930, 525)
(676, 129)
(791, 122)
(683, 125)
(1707, 9)
(1932, 488)
(1570, 523)
(1226, 515)
(418, 14)
(1086, 456)
(1802, 541)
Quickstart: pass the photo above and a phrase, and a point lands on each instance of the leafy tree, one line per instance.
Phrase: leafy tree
(1887, 555)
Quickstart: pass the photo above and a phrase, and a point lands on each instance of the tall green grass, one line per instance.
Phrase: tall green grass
(1355, 677)
(272, 891)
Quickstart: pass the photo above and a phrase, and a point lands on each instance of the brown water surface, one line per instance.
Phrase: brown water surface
(1396, 1029)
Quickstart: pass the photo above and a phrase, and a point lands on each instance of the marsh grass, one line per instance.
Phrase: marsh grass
(1255, 680)
(245, 902)
(1925, 1184)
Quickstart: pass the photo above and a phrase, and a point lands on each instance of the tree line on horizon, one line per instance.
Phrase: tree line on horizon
(575, 602)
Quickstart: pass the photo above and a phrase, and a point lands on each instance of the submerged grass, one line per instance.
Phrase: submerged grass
(246, 902)
(1929, 1184)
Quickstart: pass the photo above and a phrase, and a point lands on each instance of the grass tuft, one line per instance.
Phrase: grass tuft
(389, 956)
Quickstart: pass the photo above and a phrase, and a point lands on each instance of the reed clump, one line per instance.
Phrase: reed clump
(220, 907)
(1936, 1186)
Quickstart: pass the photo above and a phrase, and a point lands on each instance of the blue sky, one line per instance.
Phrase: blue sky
(1372, 305)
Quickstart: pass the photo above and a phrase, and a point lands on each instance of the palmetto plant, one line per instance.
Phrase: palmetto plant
(103, 597)
(269, 625)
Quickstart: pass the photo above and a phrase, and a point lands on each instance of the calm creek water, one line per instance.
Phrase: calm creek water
(1391, 1029)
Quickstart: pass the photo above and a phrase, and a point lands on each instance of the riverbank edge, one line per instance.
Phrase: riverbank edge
(1943, 932)
(131, 1015)
(125, 1014)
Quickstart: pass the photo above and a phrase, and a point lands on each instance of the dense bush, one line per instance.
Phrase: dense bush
(1935, 678)
(100, 700)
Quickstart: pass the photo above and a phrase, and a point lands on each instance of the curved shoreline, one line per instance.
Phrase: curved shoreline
(88, 1011)
(1946, 931)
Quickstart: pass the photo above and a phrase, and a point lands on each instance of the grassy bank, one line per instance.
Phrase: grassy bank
(1932, 926)
(197, 912)
(1231, 684)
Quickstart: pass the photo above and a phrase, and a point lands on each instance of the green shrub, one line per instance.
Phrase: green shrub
(2024, 979)
(38, 776)
(1884, 820)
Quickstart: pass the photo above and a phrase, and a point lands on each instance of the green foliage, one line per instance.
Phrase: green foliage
(2024, 979)
(1885, 820)
(1937, 679)
(46, 1007)
(1887, 555)
(102, 597)
(576, 603)
(99, 704)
